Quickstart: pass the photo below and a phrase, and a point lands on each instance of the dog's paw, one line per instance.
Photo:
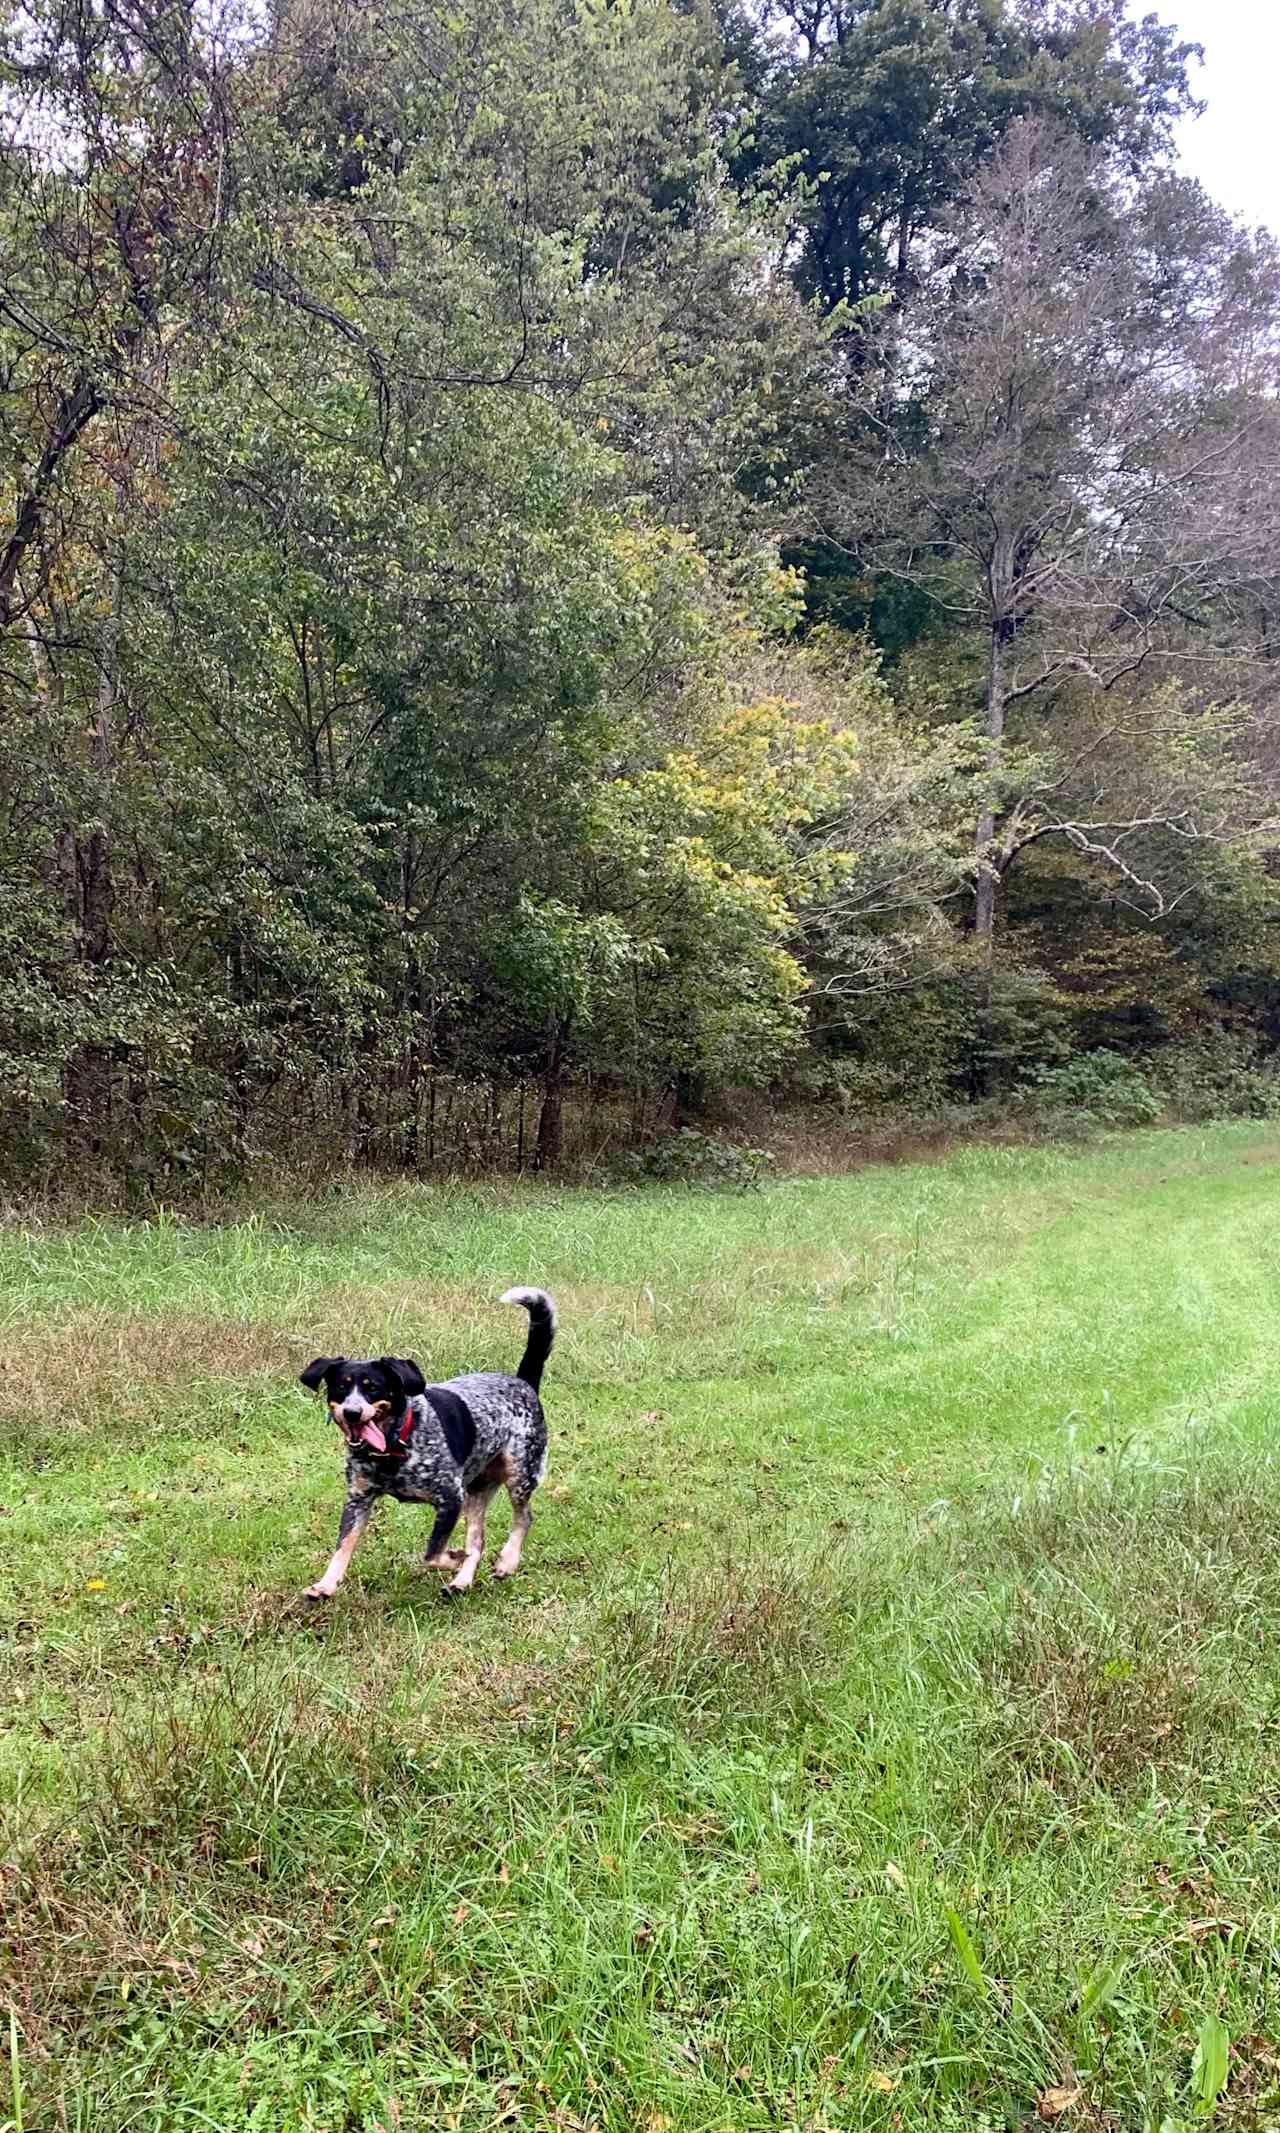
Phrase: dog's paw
(320, 1591)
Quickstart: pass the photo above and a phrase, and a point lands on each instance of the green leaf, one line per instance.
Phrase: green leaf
(962, 1942)
(1210, 2065)
(1101, 1988)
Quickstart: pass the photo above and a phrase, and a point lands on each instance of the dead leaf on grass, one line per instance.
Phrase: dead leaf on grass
(1051, 2104)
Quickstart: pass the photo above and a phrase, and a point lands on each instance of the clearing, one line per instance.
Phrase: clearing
(884, 1732)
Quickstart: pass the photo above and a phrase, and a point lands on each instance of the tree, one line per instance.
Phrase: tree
(115, 186)
(401, 412)
(881, 111)
(1059, 438)
(401, 517)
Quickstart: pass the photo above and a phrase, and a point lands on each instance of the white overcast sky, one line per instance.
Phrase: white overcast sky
(1234, 149)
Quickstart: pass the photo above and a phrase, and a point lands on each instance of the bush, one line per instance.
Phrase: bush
(1100, 1088)
(692, 1158)
(1218, 1075)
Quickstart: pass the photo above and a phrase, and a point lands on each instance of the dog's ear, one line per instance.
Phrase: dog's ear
(408, 1373)
(315, 1373)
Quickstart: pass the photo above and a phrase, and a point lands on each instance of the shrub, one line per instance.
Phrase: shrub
(1217, 1075)
(1100, 1087)
(692, 1158)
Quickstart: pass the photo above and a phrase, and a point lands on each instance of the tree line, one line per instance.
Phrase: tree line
(616, 551)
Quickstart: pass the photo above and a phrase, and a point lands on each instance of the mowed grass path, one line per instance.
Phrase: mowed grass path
(883, 1733)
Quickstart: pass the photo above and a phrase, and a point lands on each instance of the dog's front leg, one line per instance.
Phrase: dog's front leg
(438, 1556)
(356, 1513)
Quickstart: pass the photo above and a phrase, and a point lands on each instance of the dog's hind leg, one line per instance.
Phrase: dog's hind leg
(356, 1513)
(513, 1547)
(521, 1482)
(438, 1556)
(476, 1508)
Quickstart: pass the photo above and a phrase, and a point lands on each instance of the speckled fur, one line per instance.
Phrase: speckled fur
(509, 1450)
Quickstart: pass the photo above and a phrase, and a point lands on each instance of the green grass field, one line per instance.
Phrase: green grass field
(883, 1733)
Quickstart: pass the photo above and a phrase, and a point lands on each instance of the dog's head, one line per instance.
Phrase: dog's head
(362, 1396)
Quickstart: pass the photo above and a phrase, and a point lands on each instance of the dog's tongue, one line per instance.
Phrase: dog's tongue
(371, 1434)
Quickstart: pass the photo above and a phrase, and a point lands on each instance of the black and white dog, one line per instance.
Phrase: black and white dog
(451, 1445)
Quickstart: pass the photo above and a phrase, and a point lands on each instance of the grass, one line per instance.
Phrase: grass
(884, 1732)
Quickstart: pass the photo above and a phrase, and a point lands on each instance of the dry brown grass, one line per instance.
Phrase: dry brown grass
(741, 1642)
(79, 1370)
(1252, 2100)
(817, 1143)
(1138, 1607)
(1077, 1713)
(193, 1792)
(86, 1369)
(453, 1315)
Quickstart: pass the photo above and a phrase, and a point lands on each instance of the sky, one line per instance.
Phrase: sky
(1234, 149)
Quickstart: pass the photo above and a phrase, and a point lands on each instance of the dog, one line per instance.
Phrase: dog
(452, 1446)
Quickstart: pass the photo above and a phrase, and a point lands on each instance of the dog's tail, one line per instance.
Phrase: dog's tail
(542, 1331)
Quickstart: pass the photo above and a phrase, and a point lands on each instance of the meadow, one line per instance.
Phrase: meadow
(883, 1733)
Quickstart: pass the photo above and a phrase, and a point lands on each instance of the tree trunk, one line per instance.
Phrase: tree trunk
(690, 1097)
(987, 876)
(76, 410)
(88, 1073)
(902, 261)
(988, 873)
(550, 1142)
(87, 1078)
